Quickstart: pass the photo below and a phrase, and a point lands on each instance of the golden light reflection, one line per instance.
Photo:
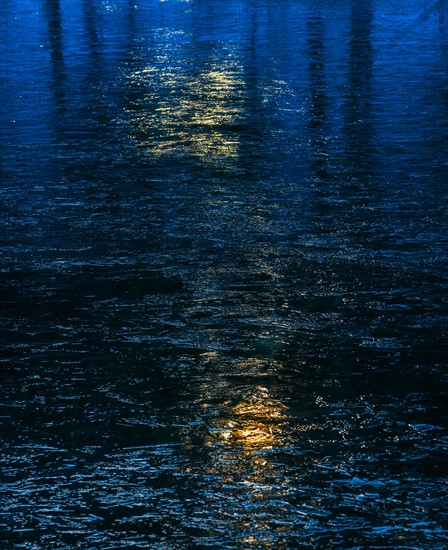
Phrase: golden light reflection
(246, 424)
(256, 423)
(181, 114)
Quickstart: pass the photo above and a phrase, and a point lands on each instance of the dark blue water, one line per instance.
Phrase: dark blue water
(224, 279)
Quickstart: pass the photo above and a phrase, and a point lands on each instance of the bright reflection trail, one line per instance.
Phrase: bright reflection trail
(190, 112)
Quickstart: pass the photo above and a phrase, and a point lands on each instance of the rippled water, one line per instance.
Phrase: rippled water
(224, 274)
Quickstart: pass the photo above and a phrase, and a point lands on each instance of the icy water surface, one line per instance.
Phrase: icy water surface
(224, 274)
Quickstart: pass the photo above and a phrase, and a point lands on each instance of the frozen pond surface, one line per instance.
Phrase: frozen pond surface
(224, 274)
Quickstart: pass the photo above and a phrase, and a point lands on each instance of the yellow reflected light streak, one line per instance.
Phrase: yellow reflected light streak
(184, 116)
(253, 424)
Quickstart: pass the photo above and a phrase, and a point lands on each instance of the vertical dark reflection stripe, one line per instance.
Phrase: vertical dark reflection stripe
(58, 72)
(251, 137)
(318, 100)
(358, 127)
(95, 83)
(91, 32)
